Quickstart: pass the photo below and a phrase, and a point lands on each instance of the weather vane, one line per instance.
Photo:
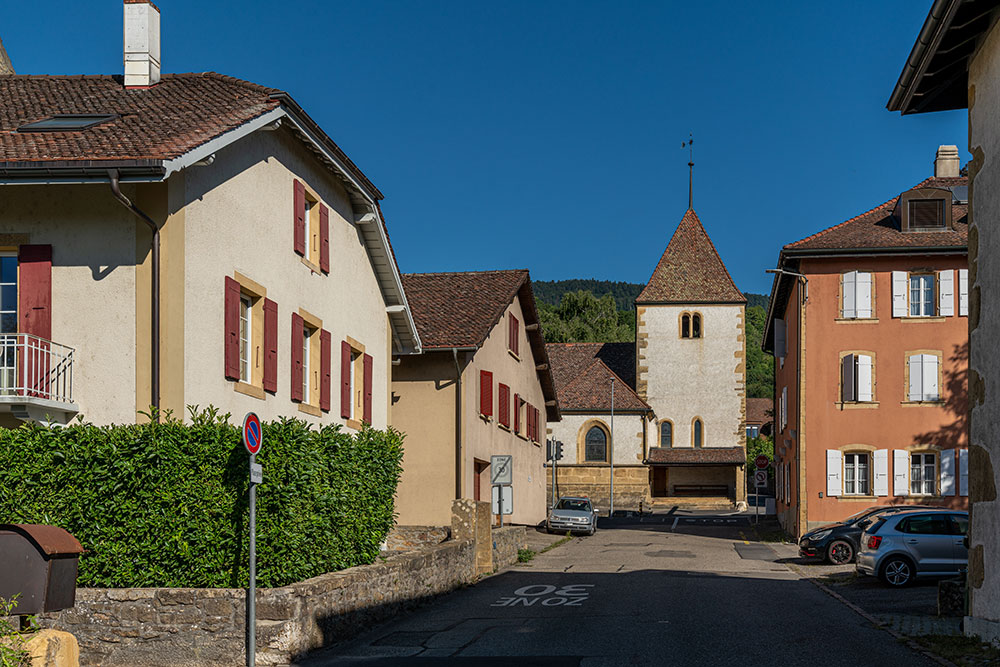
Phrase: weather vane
(689, 144)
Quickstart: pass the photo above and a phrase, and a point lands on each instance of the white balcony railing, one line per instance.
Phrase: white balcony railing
(34, 367)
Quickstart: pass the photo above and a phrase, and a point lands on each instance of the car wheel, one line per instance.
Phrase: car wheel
(840, 552)
(897, 572)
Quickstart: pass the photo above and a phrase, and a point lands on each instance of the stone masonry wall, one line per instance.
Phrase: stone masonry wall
(506, 542)
(411, 538)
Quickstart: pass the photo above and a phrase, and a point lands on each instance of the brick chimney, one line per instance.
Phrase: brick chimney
(142, 44)
(5, 66)
(946, 162)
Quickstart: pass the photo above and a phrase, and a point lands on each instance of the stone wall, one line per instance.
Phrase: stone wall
(413, 538)
(207, 627)
(506, 542)
(631, 485)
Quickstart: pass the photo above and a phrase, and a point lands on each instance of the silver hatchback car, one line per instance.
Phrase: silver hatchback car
(901, 547)
(572, 514)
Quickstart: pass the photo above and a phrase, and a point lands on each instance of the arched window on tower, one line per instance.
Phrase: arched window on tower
(666, 434)
(685, 326)
(696, 326)
(697, 428)
(596, 445)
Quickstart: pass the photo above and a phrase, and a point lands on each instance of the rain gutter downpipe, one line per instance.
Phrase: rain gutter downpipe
(458, 416)
(155, 292)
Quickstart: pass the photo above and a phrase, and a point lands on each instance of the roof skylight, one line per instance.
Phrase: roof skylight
(67, 122)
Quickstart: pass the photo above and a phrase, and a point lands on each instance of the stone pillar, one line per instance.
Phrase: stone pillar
(470, 520)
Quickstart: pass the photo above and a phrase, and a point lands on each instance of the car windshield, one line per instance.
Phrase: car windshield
(574, 504)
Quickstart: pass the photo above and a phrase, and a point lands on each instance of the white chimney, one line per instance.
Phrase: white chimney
(946, 162)
(142, 44)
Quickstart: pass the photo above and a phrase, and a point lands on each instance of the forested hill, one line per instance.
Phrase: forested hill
(624, 294)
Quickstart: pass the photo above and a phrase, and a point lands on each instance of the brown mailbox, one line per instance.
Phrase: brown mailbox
(38, 563)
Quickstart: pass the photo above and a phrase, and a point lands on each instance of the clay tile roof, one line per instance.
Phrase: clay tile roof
(877, 228)
(700, 456)
(690, 270)
(760, 410)
(583, 374)
(157, 123)
(460, 309)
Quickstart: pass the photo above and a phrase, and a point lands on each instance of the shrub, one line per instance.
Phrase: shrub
(165, 504)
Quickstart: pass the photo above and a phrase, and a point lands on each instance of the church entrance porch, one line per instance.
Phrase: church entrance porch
(709, 477)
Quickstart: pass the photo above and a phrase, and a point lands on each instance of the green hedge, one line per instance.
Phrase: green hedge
(166, 504)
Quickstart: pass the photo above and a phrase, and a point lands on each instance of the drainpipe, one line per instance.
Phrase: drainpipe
(458, 425)
(155, 307)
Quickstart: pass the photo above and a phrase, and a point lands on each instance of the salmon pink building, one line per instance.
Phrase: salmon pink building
(868, 322)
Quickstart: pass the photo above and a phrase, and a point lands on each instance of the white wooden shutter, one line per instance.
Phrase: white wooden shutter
(899, 285)
(900, 472)
(946, 293)
(881, 458)
(834, 467)
(963, 292)
(788, 483)
(930, 377)
(948, 472)
(848, 286)
(848, 387)
(784, 407)
(780, 339)
(864, 380)
(963, 472)
(863, 300)
(777, 481)
(916, 377)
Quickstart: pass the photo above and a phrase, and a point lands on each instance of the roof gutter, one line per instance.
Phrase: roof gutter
(867, 252)
(942, 11)
(60, 172)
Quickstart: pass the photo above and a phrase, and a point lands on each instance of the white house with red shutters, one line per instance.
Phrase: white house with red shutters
(187, 239)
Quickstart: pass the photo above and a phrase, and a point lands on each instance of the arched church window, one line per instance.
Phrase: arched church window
(696, 326)
(685, 326)
(596, 445)
(666, 434)
(697, 433)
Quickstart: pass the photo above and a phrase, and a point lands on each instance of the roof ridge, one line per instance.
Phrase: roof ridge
(223, 77)
(466, 273)
(858, 216)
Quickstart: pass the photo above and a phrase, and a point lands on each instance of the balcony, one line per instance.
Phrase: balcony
(36, 379)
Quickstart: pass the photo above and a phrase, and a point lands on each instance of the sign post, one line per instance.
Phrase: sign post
(252, 440)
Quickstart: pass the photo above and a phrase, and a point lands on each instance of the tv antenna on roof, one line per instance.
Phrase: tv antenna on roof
(689, 144)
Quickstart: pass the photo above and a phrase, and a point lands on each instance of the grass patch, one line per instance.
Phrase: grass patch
(963, 651)
(525, 555)
(558, 543)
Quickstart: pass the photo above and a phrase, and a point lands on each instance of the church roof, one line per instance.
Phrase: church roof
(583, 374)
(690, 270)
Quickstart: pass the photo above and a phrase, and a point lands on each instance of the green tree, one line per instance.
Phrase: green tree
(582, 317)
(760, 365)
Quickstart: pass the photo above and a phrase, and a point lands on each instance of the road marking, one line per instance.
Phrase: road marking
(676, 519)
(573, 595)
(744, 537)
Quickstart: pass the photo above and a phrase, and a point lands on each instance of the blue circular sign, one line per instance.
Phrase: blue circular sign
(252, 436)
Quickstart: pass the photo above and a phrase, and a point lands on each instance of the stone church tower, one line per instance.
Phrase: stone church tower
(691, 369)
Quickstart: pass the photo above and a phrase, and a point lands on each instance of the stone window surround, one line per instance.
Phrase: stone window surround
(257, 293)
(581, 441)
(842, 404)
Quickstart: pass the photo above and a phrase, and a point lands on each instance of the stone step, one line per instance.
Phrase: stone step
(694, 502)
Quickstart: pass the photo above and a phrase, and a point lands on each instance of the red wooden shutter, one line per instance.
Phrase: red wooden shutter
(35, 290)
(324, 239)
(503, 406)
(530, 415)
(270, 346)
(368, 388)
(297, 333)
(535, 423)
(325, 366)
(486, 393)
(517, 413)
(232, 345)
(300, 217)
(345, 380)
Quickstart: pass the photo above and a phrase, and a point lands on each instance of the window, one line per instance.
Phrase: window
(922, 295)
(514, 335)
(685, 326)
(666, 433)
(356, 383)
(928, 524)
(596, 445)
(856, 378)
(696, 326)
(697, 432)
(306, 353)
(922, 370)
(8, 320)
(753, 430)
(312, 229)
(67, 122)
(246, 310)
(923, 474)
(856, 297)
(251, 337)
(856, 475)
(690, 325)
(926, 214)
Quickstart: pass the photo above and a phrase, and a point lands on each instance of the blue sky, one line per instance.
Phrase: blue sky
(547, 135)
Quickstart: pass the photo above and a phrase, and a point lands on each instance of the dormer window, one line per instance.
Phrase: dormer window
(926, 214)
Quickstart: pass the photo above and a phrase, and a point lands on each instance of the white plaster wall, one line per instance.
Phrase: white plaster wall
(688, 378)
(484, 438)
(239, 218)
(93, 285)
(627, 436)
(984, 278)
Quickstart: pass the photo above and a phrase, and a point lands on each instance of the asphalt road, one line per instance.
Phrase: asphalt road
(666, 590)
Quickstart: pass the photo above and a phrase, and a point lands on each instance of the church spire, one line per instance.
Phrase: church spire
(690, 146)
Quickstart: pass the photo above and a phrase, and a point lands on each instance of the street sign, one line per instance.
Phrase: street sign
(760, 479)
(503, 499)
(762, 461)
(256, 473)
(252, 436)
(502, 469)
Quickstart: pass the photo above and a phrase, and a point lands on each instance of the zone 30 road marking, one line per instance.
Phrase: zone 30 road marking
(546, 595)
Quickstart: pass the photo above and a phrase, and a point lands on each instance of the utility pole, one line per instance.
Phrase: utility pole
(611, 457)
